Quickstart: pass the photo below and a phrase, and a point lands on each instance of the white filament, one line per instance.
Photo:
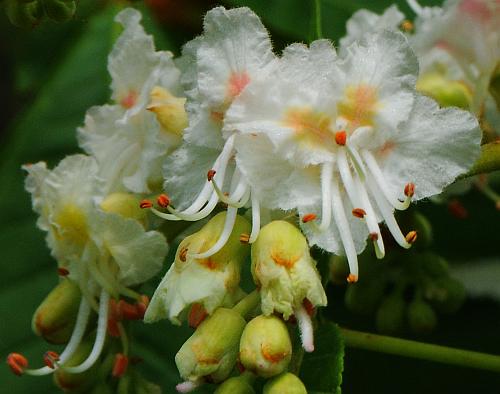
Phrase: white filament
(305, 328)
(188, 386)
(255, 219)
(326, 191)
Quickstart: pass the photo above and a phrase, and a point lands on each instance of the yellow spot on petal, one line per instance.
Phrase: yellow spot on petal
(70, 224)
(359, 106)
(311, 127)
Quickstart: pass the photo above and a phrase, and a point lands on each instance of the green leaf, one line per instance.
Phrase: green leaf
(321, 370)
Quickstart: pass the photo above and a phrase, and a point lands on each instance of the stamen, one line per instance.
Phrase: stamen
(305, 328)
(411, 237)
(163, 200)
(352, 278)
(308, 217)
(61, 271)
(373, 236)
(244, 238)
(346, 176)
(51, 359)
(238, 198)
(207, 210)
(120, 365)
(183, 254)
(224, 236)
(211, 174)
(326, 192)
(344, 229)
(407, 26)
(255, 218)
(380, 180)
(188, 386)
(357, 162)
(359, 213)
(341, 137)
(409, 190)
(17, 363)
(100, 336)
(144, 204)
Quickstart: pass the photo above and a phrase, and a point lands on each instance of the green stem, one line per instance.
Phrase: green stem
(488, 161)
(317, 19)
(423, 351)
(248, 304)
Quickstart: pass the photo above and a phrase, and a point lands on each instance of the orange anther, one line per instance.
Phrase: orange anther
(409, 189)
(183, 254)
(146, 204)
(351, 278)
(17, 363)
(120, 366)
(50, 359)
(244, 238)
(373, 236)
(407, 26)
(61, 271)
(128, 311)
(359, 212)
(196, 315)
(211, 174)
(411, 237)
(456, 208)
(308, 217)
(309, 307)
(163, 200)
(341, 137)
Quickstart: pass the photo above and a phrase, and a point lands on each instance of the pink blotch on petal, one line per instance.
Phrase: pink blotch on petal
(476, 9)
(129, 100)
(237, 82)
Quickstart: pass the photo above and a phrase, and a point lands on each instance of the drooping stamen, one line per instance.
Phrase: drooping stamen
(255, 218)
(224, 236)
(305, 328)
(51, 359)
(344, 229)
(341, 137)
(347, 179)
(102, 323)
(416, 8)
(352, 278)
(144, 204)
(356, 162)
(326, 194)
(380, 180)
(188, 386)
(308, 217)
(210, 175)
(193, 217)
(17, 363)
(387, 213)
(359, 213)
(120, 365)
(411, 237)
(163, 200)
(238, 198)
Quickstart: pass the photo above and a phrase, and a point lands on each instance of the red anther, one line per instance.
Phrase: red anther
(163, 200)
(456, 208)
(351, 278)
(373, 236)
(409, 189)
(211, 174)
(120, 366)
(17, 363)
(244, 238)
(411, 237)
(113, 326)
(128, 311)
(62, 271)
(359, 212)
(50, 359)
(196, 315)
(183, 254)
(309, 307)
(146, 204)
(308, 217)
(341, 137)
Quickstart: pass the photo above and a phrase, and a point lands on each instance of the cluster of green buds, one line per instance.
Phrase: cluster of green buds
(29, 13)
(408, 291)
(233, 330)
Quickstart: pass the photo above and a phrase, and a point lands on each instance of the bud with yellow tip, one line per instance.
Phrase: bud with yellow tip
(445, 91)
(124, 204)
(169, 110)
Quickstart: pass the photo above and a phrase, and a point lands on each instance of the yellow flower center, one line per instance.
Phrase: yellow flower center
(359, 106)
(70, 224)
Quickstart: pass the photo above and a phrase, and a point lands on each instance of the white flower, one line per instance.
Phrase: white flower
(234, 49)
(104, 252)
(348, 141)
(131, 138)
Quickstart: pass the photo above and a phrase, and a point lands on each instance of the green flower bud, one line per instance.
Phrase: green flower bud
(211, 282)
(212, 350)
(339, 269)
(78, 382)
(391, 314)
(236, 385)
(446, 294)
(286, 383)
(424, 230)
(421, 317)
(446, 92)
(433, 265)
(364, 297)
(60, 10)
(55, 318)
(265, 346)
(124, 204)
(24, 14)
(284, 270)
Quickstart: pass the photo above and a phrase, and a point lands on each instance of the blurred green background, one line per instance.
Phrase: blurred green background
(50, 75)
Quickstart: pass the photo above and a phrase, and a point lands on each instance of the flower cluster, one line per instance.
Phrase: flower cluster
(316, 146)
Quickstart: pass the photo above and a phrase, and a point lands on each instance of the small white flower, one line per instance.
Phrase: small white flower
(348, 141)
(129, 138)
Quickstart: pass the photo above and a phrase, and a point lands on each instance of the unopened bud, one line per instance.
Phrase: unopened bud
(286, 383)
(124, 204)
(446, 92)
(55, 318)
(60, 10)
(433, 265)
(421, 317)
(24, 14)
(364, 298)
(284, 270)
(169, 110)
(236, 385)
(447, 295)
(391, 314)
(265, 346)
(339, 269)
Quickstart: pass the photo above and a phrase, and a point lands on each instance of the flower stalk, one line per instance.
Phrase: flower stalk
(488, 161)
